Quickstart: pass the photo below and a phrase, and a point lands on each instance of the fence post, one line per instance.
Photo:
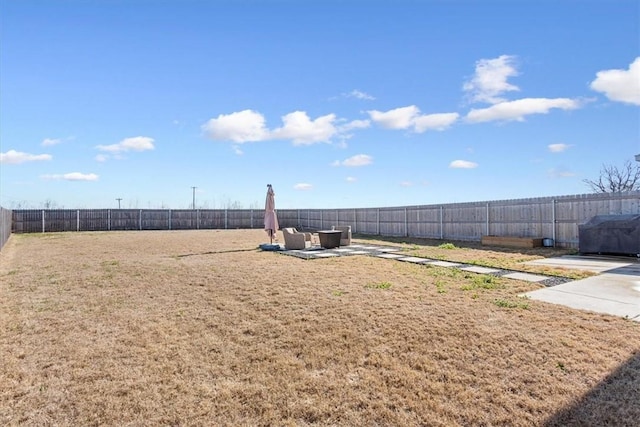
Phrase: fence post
(441, 223)
(169, 219)
(140, 220)
(109, 219)
(378, 222)
(487, 229)
(43, 220)
(406, 223)
(78, 220)
(321, 221)
(251, 217)
(355, 221)
(553, 221)
(225, 219)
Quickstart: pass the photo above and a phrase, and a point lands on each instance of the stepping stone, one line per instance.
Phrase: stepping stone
(325, 255)
(342, 250)
(387, 249)
(390, 256)
(357, 253)
(481, 270)
(526, 277)
(413, 259)
(443, 263)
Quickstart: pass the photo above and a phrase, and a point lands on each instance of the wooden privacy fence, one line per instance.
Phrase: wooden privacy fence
(556, 218)
(5, 226)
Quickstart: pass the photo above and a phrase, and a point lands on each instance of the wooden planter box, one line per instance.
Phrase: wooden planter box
(513, 242)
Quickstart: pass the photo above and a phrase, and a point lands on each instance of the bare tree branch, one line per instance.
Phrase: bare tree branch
(616, 180)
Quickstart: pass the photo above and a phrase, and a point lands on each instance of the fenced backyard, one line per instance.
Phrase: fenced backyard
(202, 328)
(555, 218)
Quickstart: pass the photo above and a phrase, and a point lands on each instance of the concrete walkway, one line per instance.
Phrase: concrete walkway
(614, 290)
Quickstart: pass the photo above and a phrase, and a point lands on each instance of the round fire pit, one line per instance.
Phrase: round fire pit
(329, 238)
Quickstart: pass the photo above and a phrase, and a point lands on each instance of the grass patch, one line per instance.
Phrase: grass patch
(505, 303)
(483, 281)
(378, 285)
(447, 246)
(441, 287)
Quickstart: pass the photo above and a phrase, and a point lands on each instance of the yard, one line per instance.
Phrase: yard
(201, 328)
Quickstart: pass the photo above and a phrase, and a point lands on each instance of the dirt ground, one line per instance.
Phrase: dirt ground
(200, 328)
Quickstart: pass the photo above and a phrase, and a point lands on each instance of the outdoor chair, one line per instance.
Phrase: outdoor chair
(294, 239)
(345, 238)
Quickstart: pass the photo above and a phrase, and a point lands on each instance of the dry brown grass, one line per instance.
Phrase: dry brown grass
(200, 328)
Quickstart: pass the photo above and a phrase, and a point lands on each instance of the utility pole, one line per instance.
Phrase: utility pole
(118, 199)
(194, 197)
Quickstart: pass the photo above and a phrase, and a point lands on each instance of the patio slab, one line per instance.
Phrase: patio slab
(595, 264)
(528, 277)
(389, 256)
(608, 293)
(443, 263)
(480, 270)
(413, 259)
(615, 291)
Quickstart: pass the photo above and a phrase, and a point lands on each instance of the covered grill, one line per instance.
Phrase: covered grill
(610, 234)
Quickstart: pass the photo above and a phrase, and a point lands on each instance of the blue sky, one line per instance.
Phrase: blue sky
(335, 103)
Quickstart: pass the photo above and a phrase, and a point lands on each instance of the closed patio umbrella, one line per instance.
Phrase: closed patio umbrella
(270, 217)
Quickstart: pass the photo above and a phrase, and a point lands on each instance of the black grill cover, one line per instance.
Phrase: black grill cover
(610, 234)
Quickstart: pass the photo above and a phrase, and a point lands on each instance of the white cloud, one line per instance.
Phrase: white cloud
(250, 126)
(303, 186)
(13, 157)
(434, 121)
(351, 179)
(237, 150)
(138, 143)
(55, 141)
(354, 124)
(240, 127)
(406, 184)
(516, 110)
(409, 117)
(558, 148)
(462, 164)
(355, 161)
(72, 176)
(50, 141)
(398, 118)
(303, 131)
(359, 95)
(490, 79)
(620, 85)
(102, 158)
